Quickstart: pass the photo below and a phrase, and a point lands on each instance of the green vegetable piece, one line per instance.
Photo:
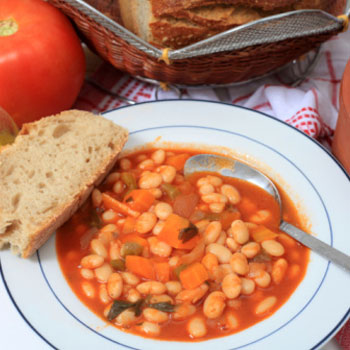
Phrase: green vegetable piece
(117, 308)
(164, 306)
(188, 232)
(263, 256)
(138, 307)
(131, 248)
(118, 264)
(129, 200)
(129, 180)
(95, 220)
(171, 190)
(212, 217)
(121, 305)
(178, 270)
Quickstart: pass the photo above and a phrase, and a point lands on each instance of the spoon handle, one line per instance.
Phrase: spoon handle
(317, 246)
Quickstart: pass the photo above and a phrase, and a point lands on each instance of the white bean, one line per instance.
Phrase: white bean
(103, 294)
(115, 285)
(231, 320)
(159, 248)
(154, 315)
(248, 286)
(150, 328)
(88, 289)
(206, 189)
(97, 247)
(158, 156)
(163, 210)
(125, 164)
(214, 180)
(265, 305)
(126, 318)
(240, 231)
(251, 249)
(130, 278)
(214, 198)
(214, 304)
(212, 232)
(158, 227)
(217, 207)
(183, 311)
(231, 286)
(173, 287)
(147, 164)
(222, 253)
(145, 222)
(196, 327)
(273, 247)
(92, 261)
(222, 238)
(103, 272)
(263, 279)
(167, 173)
(239, 263)
(150, 180)
(151, 287)
(232, 244)
(87, 274)
(96, 197)
(133, 295)
(231, 193)
(279, 270)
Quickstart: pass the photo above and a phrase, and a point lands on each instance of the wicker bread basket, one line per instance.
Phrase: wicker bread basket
(216, 67)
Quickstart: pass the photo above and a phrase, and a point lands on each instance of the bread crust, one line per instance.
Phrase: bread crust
(220, 17)
(169, 7)
(178, 23)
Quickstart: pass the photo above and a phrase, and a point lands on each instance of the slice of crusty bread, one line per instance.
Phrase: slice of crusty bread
(49, 171)
(177, 23)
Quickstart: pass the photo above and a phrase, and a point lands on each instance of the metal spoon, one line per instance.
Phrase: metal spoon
(232, 168)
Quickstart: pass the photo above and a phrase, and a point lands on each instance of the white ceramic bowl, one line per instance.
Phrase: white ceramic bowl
(310, 175)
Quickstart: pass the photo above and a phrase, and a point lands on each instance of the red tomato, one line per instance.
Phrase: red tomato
(42, 63)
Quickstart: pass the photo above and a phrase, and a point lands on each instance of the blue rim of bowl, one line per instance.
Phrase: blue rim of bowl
(321, 342)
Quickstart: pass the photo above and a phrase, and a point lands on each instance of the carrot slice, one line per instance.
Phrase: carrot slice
(119, 207)
(140, 266)
(171, 230)
(193, 276)
(139, 200)
(134, 237)
(262, 233)
(162, 271)
(177, 161)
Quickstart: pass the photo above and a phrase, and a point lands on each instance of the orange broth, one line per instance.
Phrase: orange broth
(72, 242)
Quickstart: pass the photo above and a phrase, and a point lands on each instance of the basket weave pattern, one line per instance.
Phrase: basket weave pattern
(219, 68)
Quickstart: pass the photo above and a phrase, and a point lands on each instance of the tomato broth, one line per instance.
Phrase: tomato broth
(213, 261)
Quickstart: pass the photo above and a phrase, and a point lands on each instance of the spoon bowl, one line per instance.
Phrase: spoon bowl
(229, 167)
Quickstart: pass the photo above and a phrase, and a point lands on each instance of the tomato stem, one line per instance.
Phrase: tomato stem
(8, 27)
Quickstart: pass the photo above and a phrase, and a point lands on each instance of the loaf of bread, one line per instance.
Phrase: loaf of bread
(177, 23)
(49, 171)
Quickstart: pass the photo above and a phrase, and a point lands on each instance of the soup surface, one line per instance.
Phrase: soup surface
(168, 257)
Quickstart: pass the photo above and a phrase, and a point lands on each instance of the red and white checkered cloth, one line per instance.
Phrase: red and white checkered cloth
(311, 107)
